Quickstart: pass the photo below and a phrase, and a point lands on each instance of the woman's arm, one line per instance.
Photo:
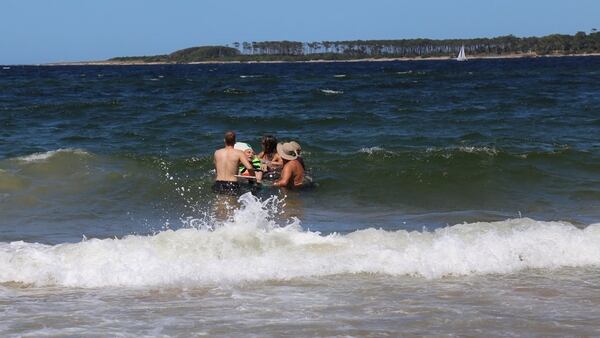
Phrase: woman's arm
(277, 160)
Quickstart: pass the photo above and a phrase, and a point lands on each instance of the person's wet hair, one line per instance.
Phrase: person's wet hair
(230, 138)
(269, 144)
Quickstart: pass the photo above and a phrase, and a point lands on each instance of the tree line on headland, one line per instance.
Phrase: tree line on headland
(556, 44)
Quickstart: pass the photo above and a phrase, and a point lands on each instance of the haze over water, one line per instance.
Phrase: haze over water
(448, 198)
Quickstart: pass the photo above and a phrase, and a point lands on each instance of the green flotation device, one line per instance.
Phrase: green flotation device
(255, 164)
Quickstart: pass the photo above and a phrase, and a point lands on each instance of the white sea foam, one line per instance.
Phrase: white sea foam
(37, 157)
(250, 247)
(446, 151)
(370, 150)
(472, 149)
(340, 75)
(331, 91)
(465, 149)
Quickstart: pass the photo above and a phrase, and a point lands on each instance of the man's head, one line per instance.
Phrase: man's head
(230, 138)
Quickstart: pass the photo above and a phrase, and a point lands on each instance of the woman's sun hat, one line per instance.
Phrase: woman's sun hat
(296, 146)
(287, 151)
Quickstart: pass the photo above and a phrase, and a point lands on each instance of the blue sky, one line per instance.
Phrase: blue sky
(39, 31)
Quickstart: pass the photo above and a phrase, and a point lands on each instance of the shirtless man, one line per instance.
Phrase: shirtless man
(292, 174)
(227, 161)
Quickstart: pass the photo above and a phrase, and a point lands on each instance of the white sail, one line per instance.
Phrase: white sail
(461, 55)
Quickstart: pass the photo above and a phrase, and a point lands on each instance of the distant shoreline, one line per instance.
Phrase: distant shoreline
(216, 62)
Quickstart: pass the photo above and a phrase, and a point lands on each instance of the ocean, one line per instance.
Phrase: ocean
(448, 198)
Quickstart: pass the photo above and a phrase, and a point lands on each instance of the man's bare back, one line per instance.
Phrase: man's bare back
(227, 161)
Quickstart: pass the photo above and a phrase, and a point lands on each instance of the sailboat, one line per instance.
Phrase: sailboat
(461, 55)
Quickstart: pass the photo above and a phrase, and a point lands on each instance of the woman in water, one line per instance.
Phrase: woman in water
(269, 156)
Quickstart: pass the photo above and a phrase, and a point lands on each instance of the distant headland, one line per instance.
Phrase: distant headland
(581, 43)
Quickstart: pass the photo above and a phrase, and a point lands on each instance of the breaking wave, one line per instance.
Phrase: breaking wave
(252, 247)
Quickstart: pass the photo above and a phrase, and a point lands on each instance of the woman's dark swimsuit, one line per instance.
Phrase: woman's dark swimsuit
(227, 188)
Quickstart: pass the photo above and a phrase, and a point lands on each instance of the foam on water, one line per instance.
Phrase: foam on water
(331, 91)
(485, 150)
(491, 151)
(251, 247)
(38, 157)
(446, 151)
(371, 150)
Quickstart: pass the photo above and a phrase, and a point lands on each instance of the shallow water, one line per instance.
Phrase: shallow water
(530, 303)
(449, 198)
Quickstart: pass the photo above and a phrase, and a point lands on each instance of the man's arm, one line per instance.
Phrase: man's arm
(246, 163)
(286, 175)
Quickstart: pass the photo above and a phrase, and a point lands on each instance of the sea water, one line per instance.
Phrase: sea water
(448, 198)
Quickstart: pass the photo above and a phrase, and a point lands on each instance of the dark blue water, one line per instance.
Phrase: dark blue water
(112, 150)
(90, 155)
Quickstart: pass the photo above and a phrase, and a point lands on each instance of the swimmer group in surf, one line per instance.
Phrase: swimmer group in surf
(280, 163)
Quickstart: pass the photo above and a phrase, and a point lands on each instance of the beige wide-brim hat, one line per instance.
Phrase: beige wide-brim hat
(296, 146)
(286, 151)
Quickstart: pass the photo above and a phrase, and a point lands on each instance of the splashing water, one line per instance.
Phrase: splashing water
(251, 246)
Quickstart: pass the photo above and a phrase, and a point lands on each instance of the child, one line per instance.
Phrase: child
(249, 152)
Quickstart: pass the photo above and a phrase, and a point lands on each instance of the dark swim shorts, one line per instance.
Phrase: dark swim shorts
(226, 188)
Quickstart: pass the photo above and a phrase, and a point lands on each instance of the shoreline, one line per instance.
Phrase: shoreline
(401, 59)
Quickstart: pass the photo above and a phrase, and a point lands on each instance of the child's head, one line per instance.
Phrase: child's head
(246, 148)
